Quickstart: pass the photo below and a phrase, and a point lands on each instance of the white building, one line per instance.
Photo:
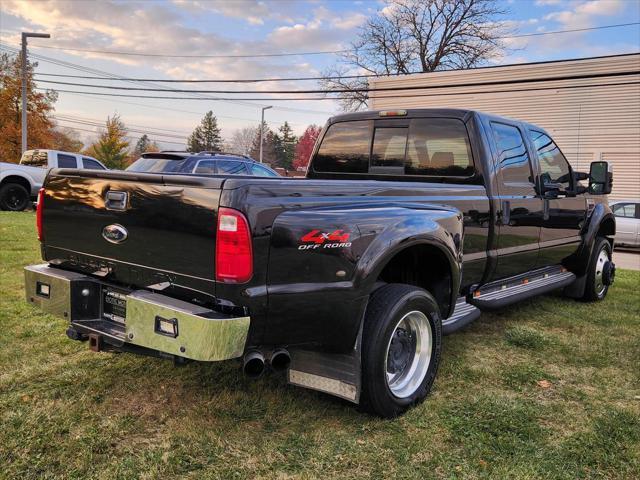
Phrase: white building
(591, 106)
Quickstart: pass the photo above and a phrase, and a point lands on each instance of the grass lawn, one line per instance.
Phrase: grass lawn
(549, 388)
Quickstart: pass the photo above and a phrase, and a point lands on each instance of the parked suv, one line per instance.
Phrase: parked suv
(20, 183)
(203, 163)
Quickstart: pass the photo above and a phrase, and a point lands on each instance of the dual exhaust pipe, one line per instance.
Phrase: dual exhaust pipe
(255, 364)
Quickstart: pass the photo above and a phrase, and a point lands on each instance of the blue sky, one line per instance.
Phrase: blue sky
(246, 27)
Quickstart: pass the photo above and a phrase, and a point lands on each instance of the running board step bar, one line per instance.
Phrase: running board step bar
(500, 294)
(463, 315)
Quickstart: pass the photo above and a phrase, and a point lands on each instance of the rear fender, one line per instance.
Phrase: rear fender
(323, 264)
(437, 227)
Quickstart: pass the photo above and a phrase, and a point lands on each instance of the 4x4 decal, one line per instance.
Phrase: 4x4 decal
(319, 239)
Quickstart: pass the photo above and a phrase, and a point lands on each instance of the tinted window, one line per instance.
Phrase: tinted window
(229, 167)
(67, 161)
(91, 164)
(206, 167)
(554, 168)
(344, 148)
(627, 210)
(512, 154)
(34, 158)
(155, 165)
(260, 171)
(439, 147)
(389, 146)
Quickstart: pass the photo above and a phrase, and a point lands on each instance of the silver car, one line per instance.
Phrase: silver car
(627, 214)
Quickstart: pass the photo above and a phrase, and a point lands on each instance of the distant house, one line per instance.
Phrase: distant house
(591, 106)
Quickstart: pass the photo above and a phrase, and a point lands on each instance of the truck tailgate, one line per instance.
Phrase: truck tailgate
(137, 229)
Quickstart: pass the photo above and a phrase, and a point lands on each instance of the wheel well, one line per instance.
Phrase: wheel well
(607, 229)
(423, 266)
(19, 180)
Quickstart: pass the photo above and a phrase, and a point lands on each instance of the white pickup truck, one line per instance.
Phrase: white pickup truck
(19, 183)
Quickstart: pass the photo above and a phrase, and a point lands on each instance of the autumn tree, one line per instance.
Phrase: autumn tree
(206, 136)
(66, 139)
(112, 147)
(39, 108)
(286, 146)
(242, 140)
(304, 147)
(409, 36)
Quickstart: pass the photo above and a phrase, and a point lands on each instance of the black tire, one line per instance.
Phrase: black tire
(14, 197)
(387, 307)
(596, 290)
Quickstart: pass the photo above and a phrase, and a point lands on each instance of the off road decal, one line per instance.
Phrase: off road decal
(318, 239)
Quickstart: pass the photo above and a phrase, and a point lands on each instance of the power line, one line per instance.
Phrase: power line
(95, 120)
(561, 87)
(75, 66)
(169, 109)
(355, 90)
(101, 125)
(296, 79)
(241, 80)
(133, 137)
(293, 54)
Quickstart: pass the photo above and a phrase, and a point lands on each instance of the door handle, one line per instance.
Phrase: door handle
(116, 200)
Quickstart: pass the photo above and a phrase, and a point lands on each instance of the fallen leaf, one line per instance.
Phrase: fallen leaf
(544, 383)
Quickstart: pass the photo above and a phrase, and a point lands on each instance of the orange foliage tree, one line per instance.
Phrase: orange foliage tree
(39, 108)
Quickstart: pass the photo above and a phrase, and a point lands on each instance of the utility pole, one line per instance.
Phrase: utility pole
(25, 35)
(262, 129)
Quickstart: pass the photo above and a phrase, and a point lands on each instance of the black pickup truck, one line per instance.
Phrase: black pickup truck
(409, 224)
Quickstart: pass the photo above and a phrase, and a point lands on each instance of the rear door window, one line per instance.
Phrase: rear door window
(91, 164)
(67, 161)
(513, 157)
(260, 171)
(626, 210)
(229, 167)
(206, 167)
(345, 148)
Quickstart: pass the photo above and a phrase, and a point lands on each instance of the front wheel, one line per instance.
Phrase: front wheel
(401, 345)
(13, 197)
(601, 271)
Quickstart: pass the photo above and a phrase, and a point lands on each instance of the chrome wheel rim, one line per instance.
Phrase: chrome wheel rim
(603, 258)
(408, 354)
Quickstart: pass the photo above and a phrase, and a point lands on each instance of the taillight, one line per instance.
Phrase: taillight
(234, 256)
(39, 214)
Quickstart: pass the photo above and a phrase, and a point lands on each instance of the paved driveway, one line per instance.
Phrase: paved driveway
(627, 259)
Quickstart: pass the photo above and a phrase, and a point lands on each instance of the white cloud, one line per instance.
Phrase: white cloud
(254, 12)
(324, 31)
(585, 14)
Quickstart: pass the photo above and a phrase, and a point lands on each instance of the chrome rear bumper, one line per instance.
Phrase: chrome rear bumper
(153, 321)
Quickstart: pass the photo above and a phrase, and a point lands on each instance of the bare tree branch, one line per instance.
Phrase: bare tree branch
(419, 36)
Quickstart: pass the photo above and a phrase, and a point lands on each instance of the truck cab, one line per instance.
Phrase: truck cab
(20, 183)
